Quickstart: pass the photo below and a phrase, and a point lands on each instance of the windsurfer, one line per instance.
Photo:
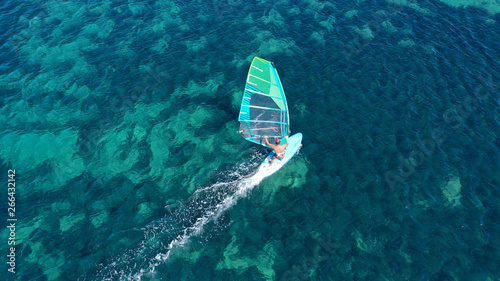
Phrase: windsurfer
(279, 149)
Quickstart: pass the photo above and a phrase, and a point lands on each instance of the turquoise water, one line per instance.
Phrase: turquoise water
(120, 121)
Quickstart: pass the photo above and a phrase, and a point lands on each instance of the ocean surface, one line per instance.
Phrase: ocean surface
(120, 119)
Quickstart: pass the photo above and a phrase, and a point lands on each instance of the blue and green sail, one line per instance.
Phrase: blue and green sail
(264, 111)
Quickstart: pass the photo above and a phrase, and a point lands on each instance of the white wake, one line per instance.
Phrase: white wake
(224, 195)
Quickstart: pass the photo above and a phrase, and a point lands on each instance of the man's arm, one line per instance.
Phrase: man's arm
(267, 142)
(286, 144)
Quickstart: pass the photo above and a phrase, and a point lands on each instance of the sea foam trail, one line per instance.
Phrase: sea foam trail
(206, 205)
(242, 188)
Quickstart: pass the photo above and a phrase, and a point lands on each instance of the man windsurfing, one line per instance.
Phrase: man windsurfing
(279, 149)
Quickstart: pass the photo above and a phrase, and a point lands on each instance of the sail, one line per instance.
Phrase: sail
(264, 111)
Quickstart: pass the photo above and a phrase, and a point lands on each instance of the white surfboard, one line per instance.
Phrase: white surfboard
(294, 144)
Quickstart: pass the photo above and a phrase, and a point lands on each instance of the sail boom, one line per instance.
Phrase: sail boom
(273, 122)
(262, 107)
